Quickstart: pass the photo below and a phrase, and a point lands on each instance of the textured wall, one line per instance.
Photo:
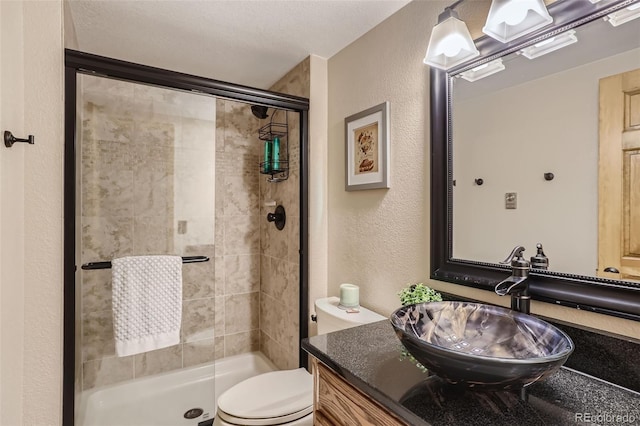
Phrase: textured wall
(318, 181)
(280, 265)
(12, 226)
(378, 239)
(70, 38)
(43, 171)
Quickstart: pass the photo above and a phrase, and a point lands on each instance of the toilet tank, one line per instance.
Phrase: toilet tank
(331, 318)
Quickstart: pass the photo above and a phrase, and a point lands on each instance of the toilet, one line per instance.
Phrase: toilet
(285, 397)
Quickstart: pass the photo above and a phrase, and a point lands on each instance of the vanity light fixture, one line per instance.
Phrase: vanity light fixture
(450, 43)
(510, 19)
(624, 15)
(549, 45)
(482, 71)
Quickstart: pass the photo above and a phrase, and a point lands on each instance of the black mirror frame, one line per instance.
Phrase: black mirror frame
(605, 296)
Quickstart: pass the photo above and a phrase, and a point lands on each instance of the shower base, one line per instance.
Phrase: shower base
(164, 399)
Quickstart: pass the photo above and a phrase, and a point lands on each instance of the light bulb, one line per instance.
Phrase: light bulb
(512, 14)
(545, 42)
(510, 19)
(451, 45)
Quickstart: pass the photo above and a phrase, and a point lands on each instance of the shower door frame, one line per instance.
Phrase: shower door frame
(77, 62)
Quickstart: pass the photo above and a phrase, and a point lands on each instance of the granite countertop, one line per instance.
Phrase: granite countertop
(369, 357)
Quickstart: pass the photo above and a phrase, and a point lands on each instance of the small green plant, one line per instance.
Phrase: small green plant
(417, 293)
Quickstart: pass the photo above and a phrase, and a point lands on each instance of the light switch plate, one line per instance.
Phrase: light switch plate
(511, 200)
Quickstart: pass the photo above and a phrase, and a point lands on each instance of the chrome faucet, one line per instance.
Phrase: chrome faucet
(516, 285)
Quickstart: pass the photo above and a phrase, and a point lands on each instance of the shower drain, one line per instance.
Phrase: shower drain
(193, 413)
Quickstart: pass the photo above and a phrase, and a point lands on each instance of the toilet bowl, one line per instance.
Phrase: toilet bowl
(285, 397)
(277, 398)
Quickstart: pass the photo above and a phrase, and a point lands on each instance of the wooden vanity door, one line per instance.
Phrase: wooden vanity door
(337, 403)
(619, 176)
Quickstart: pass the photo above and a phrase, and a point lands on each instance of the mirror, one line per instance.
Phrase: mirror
(529, 130)
(537, 116)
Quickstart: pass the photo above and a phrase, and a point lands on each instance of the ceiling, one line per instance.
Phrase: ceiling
(248, 42)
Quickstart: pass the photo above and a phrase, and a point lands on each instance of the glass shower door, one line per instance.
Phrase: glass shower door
(145, 186)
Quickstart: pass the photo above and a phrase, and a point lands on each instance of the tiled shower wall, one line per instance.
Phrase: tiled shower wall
(280, 265)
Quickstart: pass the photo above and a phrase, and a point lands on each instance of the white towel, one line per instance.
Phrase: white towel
(147, 302)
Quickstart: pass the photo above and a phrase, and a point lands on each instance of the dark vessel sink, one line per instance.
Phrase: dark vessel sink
(479, 345)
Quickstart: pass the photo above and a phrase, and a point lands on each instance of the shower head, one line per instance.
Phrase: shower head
(259, 111)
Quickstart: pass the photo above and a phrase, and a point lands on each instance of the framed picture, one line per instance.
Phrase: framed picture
(367, 153)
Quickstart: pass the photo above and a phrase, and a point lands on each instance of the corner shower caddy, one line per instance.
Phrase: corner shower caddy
(267, 133)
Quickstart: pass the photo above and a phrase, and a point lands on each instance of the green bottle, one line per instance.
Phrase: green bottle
(266, 168)
(276, 154)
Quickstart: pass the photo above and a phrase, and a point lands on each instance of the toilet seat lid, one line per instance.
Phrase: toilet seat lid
(286, 395)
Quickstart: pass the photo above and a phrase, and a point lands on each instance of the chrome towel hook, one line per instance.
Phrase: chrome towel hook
(9, 139)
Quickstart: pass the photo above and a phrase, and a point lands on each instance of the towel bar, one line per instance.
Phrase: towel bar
(107, 265)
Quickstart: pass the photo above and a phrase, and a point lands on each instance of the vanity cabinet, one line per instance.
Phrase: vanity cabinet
(336, 402)
(361, 378)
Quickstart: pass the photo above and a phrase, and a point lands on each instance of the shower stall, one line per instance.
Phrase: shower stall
(163, 163)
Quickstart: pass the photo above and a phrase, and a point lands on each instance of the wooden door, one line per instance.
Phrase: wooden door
(619, 177)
